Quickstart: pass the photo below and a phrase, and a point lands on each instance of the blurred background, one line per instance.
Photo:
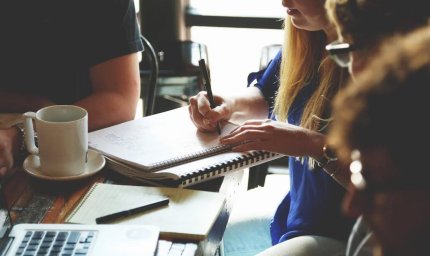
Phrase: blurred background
(234, 36)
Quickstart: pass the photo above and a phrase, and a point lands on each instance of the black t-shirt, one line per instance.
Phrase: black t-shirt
(48, 46)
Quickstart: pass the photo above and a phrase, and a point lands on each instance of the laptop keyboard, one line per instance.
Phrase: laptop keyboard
(64, 243)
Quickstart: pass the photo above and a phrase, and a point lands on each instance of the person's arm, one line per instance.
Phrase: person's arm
(116, 90)
(340, 173)
(313, 144)
(112, 52)
(249, 104)
(10, 138)
(287, 139)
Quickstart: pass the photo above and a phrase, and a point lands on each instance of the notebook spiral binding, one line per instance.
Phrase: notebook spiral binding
(192, 156)
(217, 170)
(200, 174)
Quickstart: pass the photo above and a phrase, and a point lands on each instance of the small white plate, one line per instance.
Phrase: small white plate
(95, 163)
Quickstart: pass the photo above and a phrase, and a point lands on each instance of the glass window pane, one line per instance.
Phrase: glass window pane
(252, 8)
(233, 53)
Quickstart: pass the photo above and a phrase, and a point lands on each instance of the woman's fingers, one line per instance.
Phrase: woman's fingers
(203, 116)
(242, 135)
(197, 106)
(251, 126)
(248, 146)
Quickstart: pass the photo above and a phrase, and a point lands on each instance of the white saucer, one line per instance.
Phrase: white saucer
(95, 163)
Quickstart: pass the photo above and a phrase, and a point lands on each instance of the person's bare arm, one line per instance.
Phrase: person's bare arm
(116, 90)
(249, 104)
(287, 139)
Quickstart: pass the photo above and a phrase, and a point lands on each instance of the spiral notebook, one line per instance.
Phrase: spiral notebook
(168, 149)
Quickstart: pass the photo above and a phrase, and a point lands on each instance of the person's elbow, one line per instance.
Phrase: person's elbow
(129, 101)
(115, 90)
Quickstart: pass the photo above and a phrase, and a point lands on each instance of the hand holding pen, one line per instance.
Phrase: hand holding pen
(208, 88)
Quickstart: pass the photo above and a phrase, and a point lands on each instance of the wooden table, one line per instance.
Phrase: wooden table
(33, 200)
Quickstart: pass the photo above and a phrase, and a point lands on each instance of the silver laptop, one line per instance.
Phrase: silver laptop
(74, 239)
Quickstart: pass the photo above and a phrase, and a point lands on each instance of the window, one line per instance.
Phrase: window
(251, 8)
(233, 51)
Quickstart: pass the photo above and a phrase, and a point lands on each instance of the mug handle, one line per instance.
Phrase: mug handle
(29, 133)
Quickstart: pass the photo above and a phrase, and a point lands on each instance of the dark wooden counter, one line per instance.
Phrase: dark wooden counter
(32, 200)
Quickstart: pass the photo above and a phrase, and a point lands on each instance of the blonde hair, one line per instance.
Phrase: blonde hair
(304, 60)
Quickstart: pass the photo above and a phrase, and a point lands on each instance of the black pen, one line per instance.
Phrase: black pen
(208, 88)
(122, 214)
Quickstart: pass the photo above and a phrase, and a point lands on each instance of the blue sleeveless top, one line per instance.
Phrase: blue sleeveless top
(313, 204)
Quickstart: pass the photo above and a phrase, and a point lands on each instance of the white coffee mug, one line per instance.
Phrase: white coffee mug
(62, 139)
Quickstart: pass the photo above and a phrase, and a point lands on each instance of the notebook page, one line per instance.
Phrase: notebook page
(189, 215)
(103, 199)
(149, 141)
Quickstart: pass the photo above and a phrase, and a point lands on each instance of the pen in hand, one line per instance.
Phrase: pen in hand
(122, 214)
(208, 88)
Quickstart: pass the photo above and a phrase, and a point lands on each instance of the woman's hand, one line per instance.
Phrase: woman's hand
(203, 116)
(275, 136)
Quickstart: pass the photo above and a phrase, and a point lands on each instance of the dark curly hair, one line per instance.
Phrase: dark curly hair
(365, 22)
(388, 105)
